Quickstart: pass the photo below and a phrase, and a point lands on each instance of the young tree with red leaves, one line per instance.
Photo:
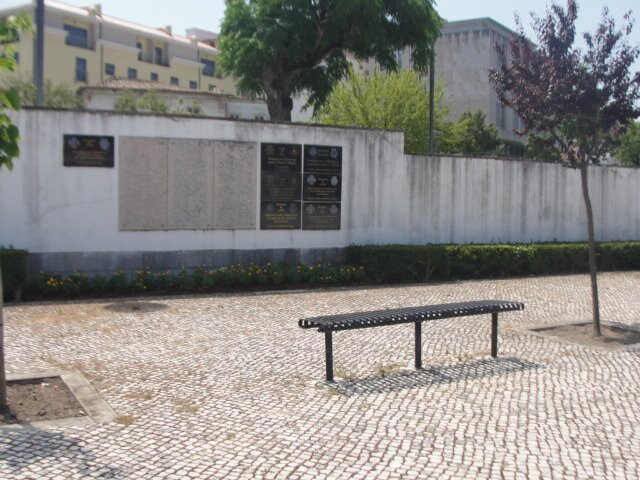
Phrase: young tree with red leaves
(580, 102)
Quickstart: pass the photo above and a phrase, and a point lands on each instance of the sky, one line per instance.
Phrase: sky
(207, 14)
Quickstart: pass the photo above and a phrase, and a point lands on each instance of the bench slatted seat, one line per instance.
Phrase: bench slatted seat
(378, 318)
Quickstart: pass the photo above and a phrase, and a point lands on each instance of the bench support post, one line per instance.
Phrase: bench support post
(328, 351)
(418, 345)
(494, 335)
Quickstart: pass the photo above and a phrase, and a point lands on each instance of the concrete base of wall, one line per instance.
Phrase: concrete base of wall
(64, 263)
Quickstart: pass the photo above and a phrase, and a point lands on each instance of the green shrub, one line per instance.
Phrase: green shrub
(418, 263)
(232, 277)
(13, 263)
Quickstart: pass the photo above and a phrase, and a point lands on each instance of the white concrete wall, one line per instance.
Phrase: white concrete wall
(387, 197)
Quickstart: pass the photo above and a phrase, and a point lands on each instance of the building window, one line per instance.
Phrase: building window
(76, 36)
(81, 70)
(154, 77)
(139, 47)
(193, 85)
(209, 68)
(132, 73)
(174, 81)
(109, 69)
(158, 53)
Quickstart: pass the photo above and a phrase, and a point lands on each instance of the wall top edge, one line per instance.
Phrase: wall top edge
(208, 118)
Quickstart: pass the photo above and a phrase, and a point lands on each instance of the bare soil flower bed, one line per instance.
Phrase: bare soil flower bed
(582, 333)
(38, 400)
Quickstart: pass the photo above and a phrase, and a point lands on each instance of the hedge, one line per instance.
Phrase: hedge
(365, 264)
(13, 264)
(436, 262)
(229, 278)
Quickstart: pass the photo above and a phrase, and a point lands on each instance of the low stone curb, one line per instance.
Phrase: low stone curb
(96, 408)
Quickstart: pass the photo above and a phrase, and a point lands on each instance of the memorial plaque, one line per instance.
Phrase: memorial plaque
(88, 151)
(280, 216)
(323, 159)
(281, 186)
(321, 187)
(321, 216)
(281, 156)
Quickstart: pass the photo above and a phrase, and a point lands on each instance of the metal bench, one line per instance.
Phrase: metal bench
(417, 315)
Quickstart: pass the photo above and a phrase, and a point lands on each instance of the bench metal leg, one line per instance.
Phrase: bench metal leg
(418, 345)
(494, 335)
(328, 350)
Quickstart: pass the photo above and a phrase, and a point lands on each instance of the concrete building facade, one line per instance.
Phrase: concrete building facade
(465, 52)
(177, 99)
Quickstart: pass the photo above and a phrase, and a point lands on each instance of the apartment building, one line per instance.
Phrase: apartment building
(83, 46)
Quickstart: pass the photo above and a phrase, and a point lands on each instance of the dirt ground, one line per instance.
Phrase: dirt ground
(40, 399)
(612, 337)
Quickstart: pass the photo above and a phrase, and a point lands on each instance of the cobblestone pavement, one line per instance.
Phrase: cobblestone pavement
(228, 386)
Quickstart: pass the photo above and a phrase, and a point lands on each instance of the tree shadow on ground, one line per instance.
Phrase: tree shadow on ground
(134, 306)
(432, 376)
(22, 447)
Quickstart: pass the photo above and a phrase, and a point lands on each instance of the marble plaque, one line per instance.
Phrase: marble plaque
(234, 185)
(143, 183)
(190, 184)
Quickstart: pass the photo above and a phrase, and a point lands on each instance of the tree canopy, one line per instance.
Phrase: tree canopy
(400, 101)
(577, 102)
(281, 48)
(628, 150)
(470, 135)
(387, 100)
(9, 98)
(55, 95)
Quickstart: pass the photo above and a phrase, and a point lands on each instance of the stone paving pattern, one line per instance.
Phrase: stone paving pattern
(228, 386)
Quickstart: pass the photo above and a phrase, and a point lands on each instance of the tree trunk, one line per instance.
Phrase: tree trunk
(593, 269)
(279, 105)
(277, 88)
(3, 378)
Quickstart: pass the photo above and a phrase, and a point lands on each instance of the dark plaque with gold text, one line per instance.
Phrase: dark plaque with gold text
(321, 216)
(280, 216)
(280, 186)
(88, 151)
(322, 187)
(319, 187)
(281, 156)
(323, 159)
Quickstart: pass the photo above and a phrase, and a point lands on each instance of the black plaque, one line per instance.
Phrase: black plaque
(323, 159)
(281, 186)
(88, 151)
(281, 156)
(320, 187)
(280, 216)
(321, 216)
